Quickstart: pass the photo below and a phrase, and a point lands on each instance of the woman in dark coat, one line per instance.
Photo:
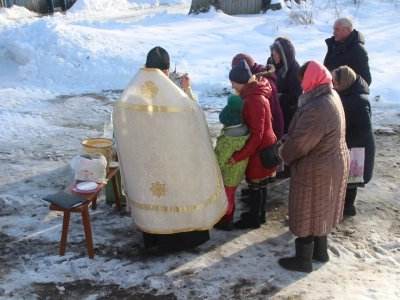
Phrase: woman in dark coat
(353, 91)
(288, 84)
(256, 114)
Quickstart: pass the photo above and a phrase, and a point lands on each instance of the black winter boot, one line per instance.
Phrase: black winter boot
(245, 200)
(283, 174)
(245, 192)
(302, 261)
(263, 218)
(320, 252)
(252, 217)
(226, 222)
(224, 226)
(349, 208)
(247, 215)
(263, 210)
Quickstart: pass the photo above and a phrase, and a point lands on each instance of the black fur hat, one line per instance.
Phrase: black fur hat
(158, 58)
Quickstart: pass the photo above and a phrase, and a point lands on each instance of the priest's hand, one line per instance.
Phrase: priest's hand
(185, 81)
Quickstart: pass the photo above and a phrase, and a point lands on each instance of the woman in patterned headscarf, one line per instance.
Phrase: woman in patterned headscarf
(353, 91)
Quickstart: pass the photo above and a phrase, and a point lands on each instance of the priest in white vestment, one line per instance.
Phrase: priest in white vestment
(171, 178)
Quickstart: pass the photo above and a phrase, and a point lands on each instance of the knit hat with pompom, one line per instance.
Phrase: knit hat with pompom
(231, 114)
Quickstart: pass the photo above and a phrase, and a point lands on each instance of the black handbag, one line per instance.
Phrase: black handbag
(269, 156)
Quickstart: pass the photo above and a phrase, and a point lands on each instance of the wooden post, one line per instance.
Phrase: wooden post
(63, 5)
(50, 5)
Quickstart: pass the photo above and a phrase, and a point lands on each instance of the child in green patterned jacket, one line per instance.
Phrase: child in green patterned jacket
(233, 137)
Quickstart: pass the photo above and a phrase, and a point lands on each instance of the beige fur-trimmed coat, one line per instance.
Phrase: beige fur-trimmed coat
(316, 151)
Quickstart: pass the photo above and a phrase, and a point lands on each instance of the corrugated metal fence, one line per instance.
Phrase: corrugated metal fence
(236, 7)
(39, 6)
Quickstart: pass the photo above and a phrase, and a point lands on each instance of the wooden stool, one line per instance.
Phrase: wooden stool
(84, 210)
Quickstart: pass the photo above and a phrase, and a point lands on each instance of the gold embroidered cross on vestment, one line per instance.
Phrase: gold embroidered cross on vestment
(158, 189)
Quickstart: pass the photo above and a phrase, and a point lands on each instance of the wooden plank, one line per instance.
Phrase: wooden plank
(232, 7)
(57, 3)
(226, 7)
(240, 7)
(253, 6)
(236, 9)
(222, 5)
(39, 6)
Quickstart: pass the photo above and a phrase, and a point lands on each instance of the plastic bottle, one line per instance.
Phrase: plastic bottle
(108, 130)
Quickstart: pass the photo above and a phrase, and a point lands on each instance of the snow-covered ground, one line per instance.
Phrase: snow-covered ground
(59, 77)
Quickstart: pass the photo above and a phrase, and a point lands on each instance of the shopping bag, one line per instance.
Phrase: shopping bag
(357, 158)
(90, 167)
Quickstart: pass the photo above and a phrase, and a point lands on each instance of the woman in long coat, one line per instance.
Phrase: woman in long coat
(315, 149)
(353, 91)
(256, 114)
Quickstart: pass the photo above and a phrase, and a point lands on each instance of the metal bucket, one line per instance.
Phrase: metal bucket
(101, 145)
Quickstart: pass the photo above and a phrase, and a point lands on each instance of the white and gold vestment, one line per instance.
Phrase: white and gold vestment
(171, 178)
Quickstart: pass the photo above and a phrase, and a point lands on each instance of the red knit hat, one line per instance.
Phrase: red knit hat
(249, 60)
